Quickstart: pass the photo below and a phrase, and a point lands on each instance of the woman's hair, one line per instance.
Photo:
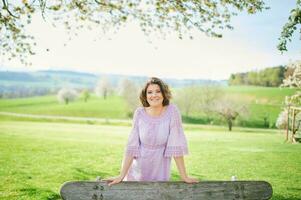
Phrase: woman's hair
(164, 90)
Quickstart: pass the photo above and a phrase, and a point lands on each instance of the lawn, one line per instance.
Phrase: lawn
(36, 158)
(264, 105)
(113, 107)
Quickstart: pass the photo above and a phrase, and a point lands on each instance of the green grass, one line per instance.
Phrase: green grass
(261, 102)
(36, 158)
(257, 113)
(113, 107)
(270, 95)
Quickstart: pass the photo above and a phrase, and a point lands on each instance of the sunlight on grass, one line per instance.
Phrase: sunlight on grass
(37, 158)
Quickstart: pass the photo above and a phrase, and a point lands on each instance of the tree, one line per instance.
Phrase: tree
(281, 121)
(268, 77)
(66, 95)
(209, 96)
(103, 87)
(187, 99)
(253, 78)
(162, 16)
(293, 80)
(289, 71)
(200, 99)
(238, 79)
(85, 94)
(229, 110)
(294, 20)
(129, 91)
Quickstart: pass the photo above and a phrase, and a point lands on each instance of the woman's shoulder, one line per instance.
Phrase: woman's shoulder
(138, 111)
(173, 107)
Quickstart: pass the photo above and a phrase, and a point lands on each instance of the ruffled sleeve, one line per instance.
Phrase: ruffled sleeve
(176, 143)
(133, 144)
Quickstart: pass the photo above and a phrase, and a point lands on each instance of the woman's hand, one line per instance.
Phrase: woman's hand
(190, 180)
(113, 180)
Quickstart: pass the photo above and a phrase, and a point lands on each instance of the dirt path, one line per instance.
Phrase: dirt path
(55, 117)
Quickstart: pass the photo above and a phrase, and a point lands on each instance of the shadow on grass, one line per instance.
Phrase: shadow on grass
(82, 174)
(176, 177)
(295, 190)
(39, 193)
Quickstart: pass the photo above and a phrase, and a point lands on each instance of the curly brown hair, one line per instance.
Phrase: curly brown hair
(163, 87)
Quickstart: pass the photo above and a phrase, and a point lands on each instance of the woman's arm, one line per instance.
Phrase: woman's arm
(181, 167)
(125, 167)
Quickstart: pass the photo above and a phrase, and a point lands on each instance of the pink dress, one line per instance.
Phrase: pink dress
(153, 141)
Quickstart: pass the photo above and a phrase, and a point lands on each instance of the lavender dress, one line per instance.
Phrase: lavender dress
(153, 141)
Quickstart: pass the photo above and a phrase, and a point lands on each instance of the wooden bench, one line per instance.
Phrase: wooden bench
(204, 190)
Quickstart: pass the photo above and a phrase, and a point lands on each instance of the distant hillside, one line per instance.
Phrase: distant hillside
(268, 77)
(20, 84)
(48, 78)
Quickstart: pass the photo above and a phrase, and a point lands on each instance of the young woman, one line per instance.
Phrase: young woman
(157, 136)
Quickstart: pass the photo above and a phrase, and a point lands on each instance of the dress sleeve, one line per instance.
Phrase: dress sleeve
(176, 143)
(133, 144)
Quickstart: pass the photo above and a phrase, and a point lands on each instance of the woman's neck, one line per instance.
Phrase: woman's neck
(155, 110)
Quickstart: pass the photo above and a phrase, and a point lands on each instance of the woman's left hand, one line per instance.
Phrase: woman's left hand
(190, 180)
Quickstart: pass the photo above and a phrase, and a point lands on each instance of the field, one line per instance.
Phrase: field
(261, 102)
(113, 107)
(38, 155)
(37, 158)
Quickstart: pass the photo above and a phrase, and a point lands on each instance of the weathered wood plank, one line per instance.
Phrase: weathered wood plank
(206, 190)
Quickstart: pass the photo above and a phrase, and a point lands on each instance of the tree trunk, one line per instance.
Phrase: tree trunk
(230, 124)
(105, 95)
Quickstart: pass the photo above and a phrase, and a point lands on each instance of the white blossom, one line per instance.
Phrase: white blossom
(66, 95)
(281, 122)
(293, 80)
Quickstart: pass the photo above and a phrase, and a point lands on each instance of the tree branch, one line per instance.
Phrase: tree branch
(100, 3)
(5, 6)
(43, 6)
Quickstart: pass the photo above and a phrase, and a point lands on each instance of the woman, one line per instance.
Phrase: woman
(156, 136)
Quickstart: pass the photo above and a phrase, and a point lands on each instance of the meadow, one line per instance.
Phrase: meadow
(38, 155)
(36, 158)
(263, 104)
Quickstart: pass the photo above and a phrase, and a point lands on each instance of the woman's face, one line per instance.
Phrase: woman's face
(154, 95)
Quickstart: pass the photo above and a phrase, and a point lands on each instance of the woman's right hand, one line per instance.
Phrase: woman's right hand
(113, 180)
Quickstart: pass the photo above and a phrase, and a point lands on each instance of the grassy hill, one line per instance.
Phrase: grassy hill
(270, 95)
(113, 107)
(263, 103)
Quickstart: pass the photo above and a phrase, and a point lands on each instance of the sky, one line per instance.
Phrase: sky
(250, 46)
